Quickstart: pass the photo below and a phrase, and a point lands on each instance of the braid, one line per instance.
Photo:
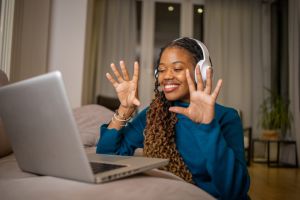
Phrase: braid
(160, 122)
(160, 137)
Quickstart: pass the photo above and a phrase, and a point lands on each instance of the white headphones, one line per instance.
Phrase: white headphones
(203, 64)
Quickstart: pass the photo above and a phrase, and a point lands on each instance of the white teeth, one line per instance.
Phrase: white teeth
(170, 86)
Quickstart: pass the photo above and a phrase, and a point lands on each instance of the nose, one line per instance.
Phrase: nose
(169, 74)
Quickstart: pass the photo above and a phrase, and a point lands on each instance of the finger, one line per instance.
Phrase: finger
(135, 77)
(179, 110)
(208, 85)
(191, 83)
(116, 72)
(137, 92)
(124, 71)
(199, 79)
(217, 89)
(112, 80)
(136, 102)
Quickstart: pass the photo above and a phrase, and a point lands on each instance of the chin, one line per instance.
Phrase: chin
(177, 97)
(171, 97)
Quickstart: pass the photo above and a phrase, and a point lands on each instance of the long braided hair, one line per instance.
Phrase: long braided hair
(160, 133)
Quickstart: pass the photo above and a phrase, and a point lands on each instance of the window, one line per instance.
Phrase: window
(279, 48)
(158, 22)
(198, 18)
(167, 25)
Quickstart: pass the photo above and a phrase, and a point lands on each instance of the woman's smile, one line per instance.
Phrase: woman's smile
(170, 87)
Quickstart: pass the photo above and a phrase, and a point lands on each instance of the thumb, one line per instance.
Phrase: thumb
(179, 110)
(136, 102)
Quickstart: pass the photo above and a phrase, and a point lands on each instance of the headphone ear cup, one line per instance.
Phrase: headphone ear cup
(203, 71)
(200, 64)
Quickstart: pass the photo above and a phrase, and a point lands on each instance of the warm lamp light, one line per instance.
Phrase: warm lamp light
(170, 8)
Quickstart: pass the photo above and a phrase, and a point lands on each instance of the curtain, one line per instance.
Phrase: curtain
(237, 35)
(118, 41)
(93, 50)
(294, 66)
(6, 35)
(113, 39)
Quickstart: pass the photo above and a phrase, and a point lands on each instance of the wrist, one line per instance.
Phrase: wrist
(125, 112)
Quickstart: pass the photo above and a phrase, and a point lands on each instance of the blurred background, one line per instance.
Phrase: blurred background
(253, 44)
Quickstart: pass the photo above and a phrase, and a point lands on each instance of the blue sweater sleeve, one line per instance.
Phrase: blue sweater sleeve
(124, 141)
(222, 145)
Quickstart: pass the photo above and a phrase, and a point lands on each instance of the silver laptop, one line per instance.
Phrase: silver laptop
(40, 125)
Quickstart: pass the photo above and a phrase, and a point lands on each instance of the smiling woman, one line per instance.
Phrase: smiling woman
(202, 140)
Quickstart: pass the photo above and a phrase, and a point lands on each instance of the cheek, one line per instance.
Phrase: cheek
(159, 80)
(184, 81)
(182, 77)
(185, 86)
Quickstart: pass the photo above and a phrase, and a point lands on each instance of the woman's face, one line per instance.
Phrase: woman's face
(171, 73)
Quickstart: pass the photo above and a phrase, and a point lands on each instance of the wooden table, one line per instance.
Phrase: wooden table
(279, 143)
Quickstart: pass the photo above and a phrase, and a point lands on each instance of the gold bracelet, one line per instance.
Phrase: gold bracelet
(120, 118)
(122, 125)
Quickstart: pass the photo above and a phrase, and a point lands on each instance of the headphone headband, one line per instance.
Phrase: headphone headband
(203, 48)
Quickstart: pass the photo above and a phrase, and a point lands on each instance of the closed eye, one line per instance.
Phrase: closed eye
(178, 69)
(160, 70)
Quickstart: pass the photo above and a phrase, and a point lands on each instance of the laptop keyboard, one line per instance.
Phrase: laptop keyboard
(102, 167)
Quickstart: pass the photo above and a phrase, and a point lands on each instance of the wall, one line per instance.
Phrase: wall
(30, 39)
(50, 35)
(67, 44)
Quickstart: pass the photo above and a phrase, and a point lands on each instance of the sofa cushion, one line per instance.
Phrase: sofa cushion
(5, 147)
(89, 118)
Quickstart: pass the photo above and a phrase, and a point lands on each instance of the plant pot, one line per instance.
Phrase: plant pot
(270, 134)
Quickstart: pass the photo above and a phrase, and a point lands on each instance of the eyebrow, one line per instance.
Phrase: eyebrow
(175, 62)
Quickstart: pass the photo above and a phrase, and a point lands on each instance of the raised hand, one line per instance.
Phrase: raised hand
(202, 100)
(126, 89)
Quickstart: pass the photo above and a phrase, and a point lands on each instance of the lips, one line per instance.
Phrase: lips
(170, 87)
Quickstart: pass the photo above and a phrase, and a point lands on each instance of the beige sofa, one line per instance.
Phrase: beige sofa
(154, 184)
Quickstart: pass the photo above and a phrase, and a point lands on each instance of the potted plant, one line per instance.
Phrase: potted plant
(276, 117)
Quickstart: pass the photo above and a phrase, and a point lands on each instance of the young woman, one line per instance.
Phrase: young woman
(203, 140)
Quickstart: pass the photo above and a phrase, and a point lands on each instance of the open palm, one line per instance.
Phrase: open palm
(126, 89)
(202, 100)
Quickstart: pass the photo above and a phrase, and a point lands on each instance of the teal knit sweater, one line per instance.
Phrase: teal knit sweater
(214, 153)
